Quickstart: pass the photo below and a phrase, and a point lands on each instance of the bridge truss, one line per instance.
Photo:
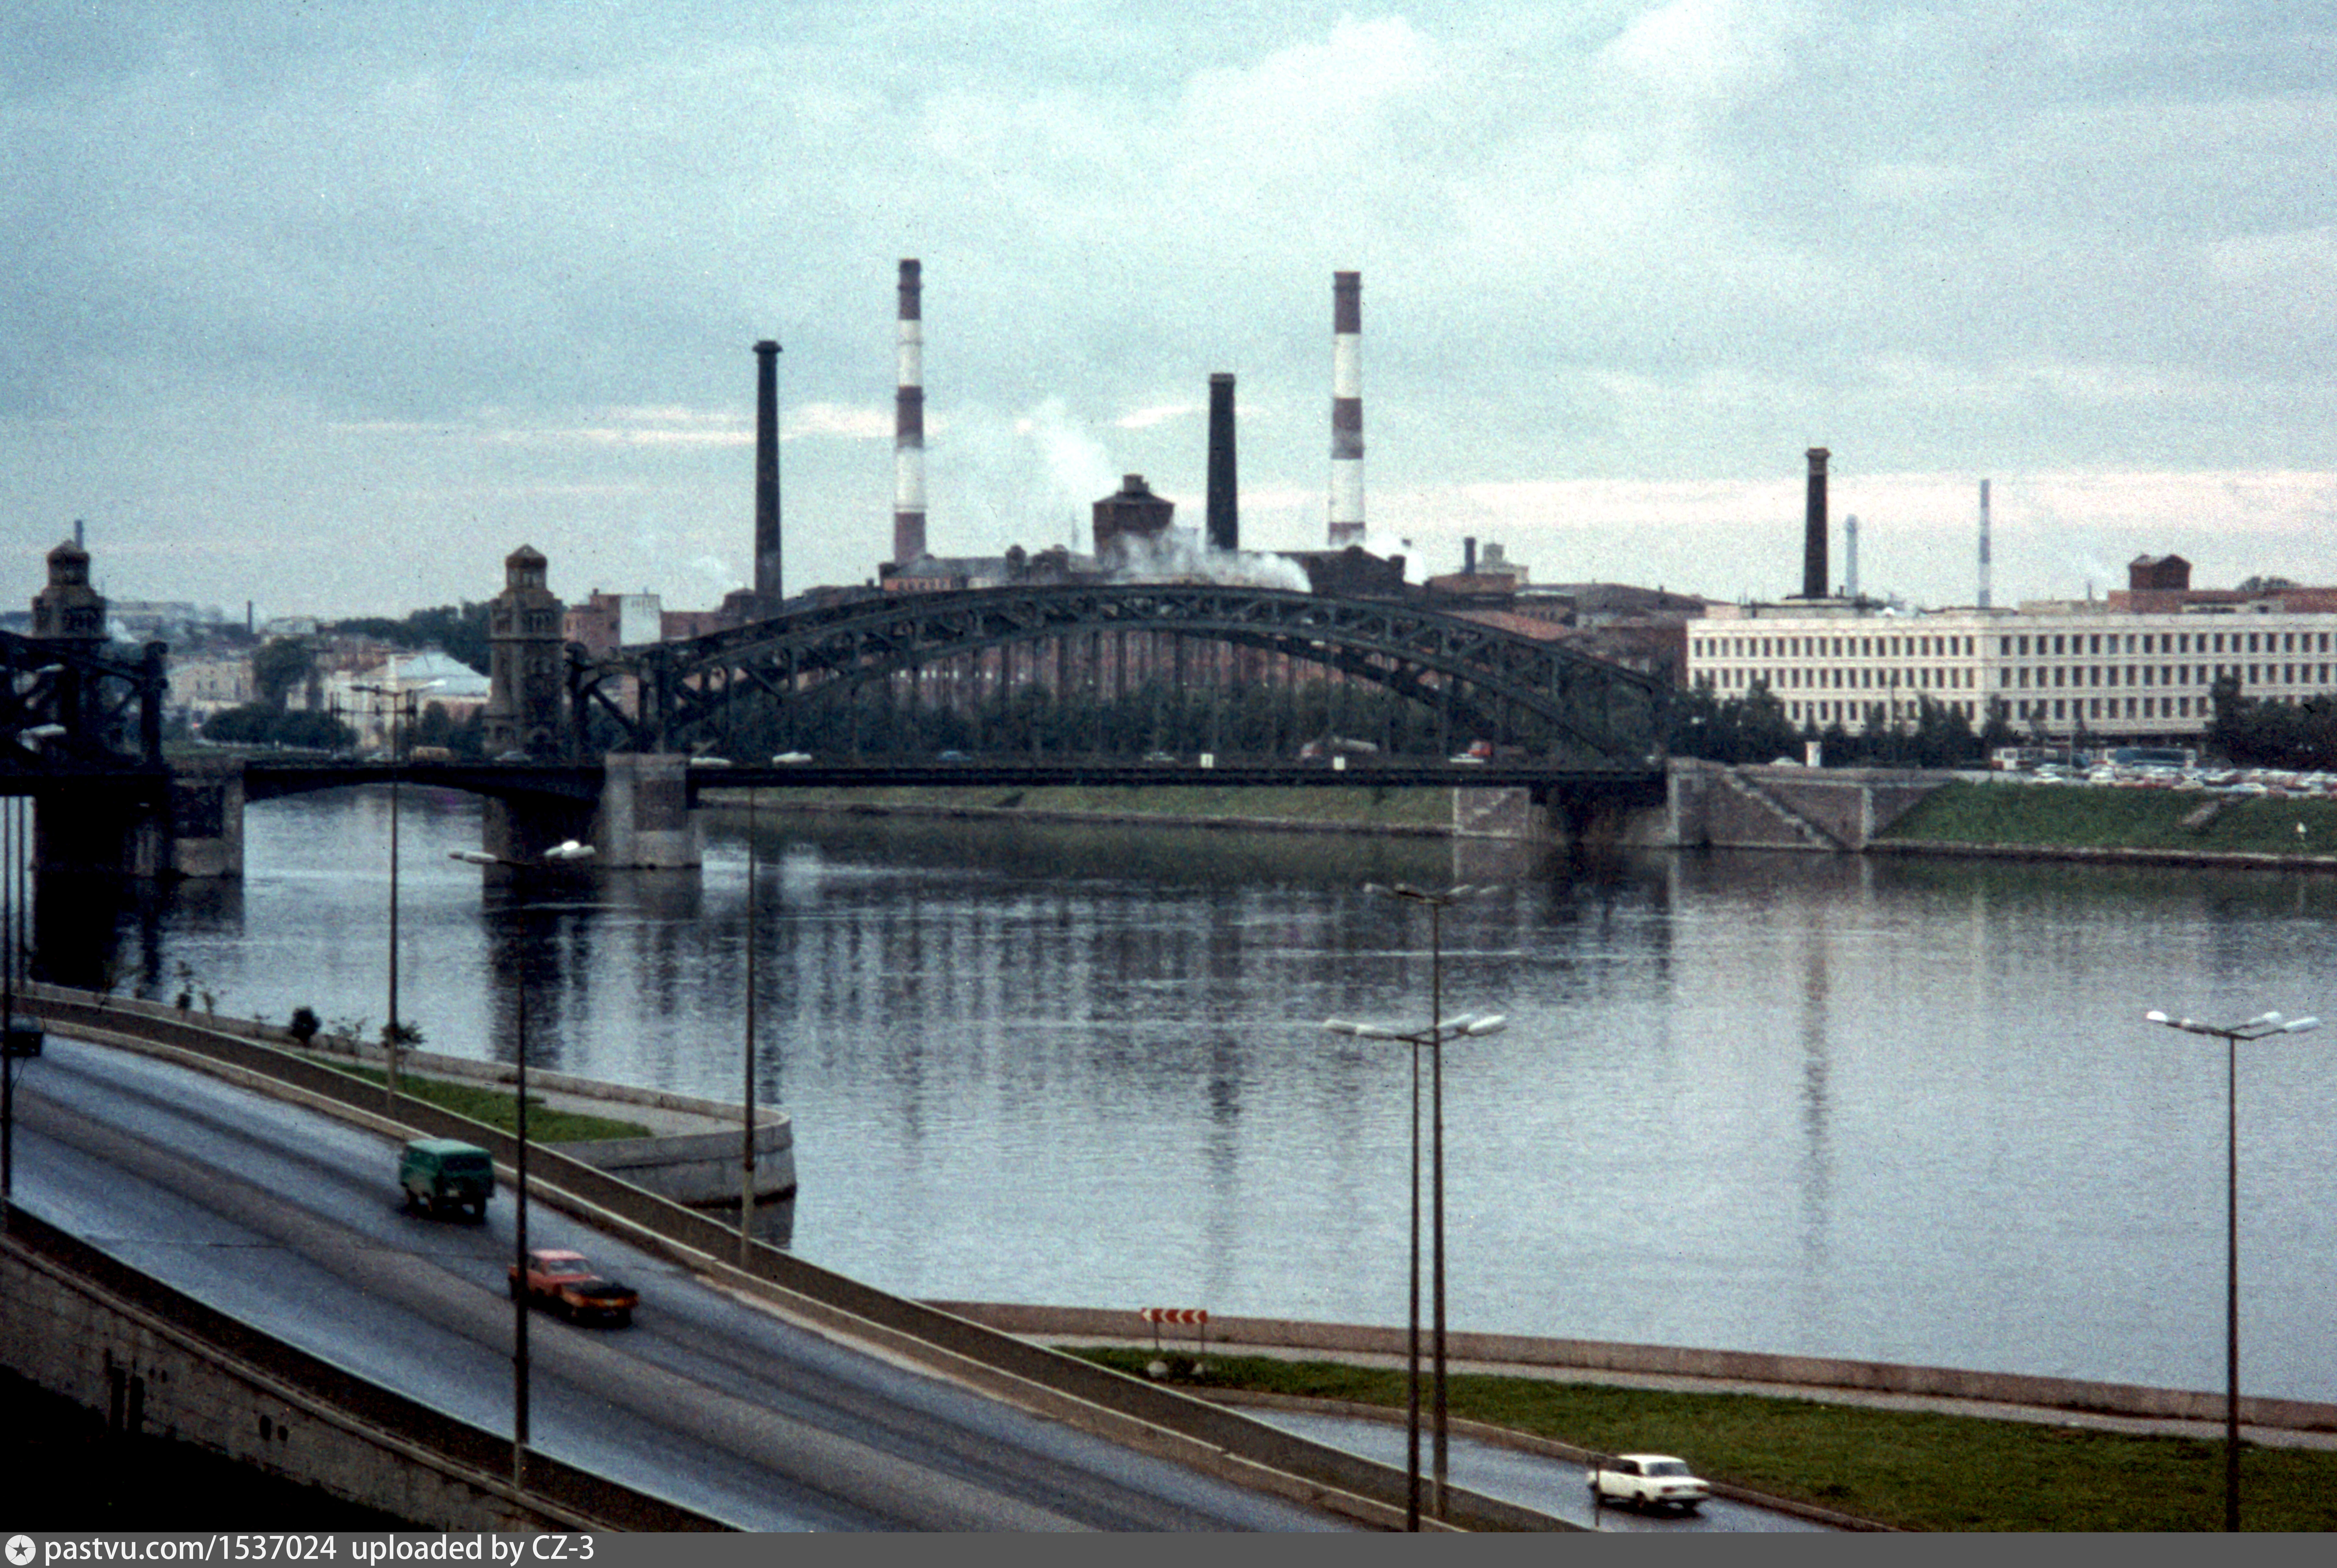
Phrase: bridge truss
(1563, 705)
(68, 707)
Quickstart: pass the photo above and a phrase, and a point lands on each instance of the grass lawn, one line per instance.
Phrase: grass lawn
(2079, 816)
(1914, 1469)
(497, 1107)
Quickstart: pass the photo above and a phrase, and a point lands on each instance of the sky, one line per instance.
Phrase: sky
(327, 308)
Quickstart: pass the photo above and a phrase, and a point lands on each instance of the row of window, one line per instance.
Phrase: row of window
(2251, 675)
(1863, 678)
(2063, 709)
(1927, 679)
(2059, 645)
(1835, 647)
(2167, 642)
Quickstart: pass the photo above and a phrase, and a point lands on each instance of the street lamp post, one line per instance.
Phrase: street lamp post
(559, 855)
(393, 1032)
(1433, 1040)
(747, 1138)
(2255, 1028)
(12, 937)
(1436, 902)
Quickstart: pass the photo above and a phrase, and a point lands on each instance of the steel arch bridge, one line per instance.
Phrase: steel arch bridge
(1585, 712)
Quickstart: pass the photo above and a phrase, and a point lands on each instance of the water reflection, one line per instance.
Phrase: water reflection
(1902, 1110)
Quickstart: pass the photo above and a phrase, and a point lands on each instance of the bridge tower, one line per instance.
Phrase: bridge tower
(524, 660)
(69, 610)
(69, 607)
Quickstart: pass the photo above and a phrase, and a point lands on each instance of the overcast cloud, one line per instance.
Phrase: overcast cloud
(331, 305)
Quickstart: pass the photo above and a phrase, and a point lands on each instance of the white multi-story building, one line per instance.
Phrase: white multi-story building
(2098, 668)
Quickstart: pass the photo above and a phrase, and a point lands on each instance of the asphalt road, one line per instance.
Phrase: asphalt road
(1554, 1486)
(292, 1222)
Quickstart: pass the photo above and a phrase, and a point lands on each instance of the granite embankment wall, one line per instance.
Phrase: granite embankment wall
(1812, 1372)
(1835, 810)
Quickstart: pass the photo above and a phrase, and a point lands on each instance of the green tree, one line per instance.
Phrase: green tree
(280, 665)
(459, 631)
(1997, 732)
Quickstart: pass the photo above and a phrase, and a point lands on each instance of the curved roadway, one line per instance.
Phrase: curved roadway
(290, 1220)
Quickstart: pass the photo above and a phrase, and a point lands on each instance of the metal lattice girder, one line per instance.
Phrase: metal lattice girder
(1607, 711)
(106, 705)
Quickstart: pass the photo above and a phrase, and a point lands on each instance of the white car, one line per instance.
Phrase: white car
(1650, 1481)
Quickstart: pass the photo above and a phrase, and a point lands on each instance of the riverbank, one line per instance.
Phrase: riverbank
(2149, 825)
(1425, 813)
(1962, 816)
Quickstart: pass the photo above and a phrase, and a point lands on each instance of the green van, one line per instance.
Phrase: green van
(443, 1174)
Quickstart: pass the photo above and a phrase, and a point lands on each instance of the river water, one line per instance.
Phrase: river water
(1898, 1111)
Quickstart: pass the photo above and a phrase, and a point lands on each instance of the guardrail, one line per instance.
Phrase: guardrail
(1093, 1398)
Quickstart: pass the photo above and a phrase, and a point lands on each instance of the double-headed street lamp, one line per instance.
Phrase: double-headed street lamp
(560, 854)
(1433, 1038)
(393, 1032)
(2255, 1028)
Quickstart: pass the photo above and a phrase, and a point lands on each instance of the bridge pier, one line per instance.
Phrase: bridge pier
(645, 822)
(188, 823)
(642, 820)
(204, 834)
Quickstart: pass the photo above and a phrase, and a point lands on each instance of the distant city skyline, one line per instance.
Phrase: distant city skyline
(331, 308)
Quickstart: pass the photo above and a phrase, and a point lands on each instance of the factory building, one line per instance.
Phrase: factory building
(2138, 666)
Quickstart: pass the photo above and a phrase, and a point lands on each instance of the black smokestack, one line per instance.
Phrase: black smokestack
(1469, 556)
(1814, 528)
(1224, 505)
(768, 588)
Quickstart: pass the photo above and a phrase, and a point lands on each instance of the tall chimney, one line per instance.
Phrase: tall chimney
(1850, 555)
(909, 427)
(1469, 556)
(768, 591)
(1346, 408)
(1225, 500)
(1814, 528)
(1983, 544)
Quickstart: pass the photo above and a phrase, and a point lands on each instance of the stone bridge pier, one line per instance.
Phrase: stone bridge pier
(642, 820)
(188, 823)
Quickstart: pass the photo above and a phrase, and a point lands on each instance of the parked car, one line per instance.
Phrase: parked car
(1648, 1481)
(437, 1174)
(566, 1283)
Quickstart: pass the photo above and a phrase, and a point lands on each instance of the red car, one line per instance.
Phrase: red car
(566, 1283)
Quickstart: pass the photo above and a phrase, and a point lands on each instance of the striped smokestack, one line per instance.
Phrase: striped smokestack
(767, 587)
(1225, 506)
(1346, 408)
(909, 427)
(1814, 528)
(1983, 544)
